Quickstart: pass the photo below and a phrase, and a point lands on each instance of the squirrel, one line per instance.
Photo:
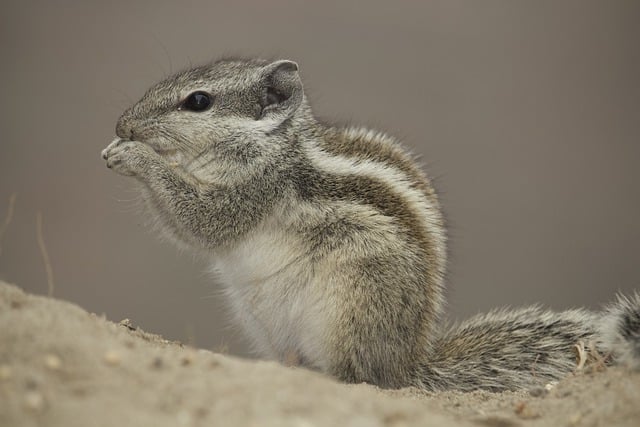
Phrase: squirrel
(329, 242)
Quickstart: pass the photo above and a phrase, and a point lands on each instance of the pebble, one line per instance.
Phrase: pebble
(187, 359)
(34, 401)
(53, 362)
(112, 358)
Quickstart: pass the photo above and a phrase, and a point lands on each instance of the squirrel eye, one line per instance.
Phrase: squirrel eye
(197, 101)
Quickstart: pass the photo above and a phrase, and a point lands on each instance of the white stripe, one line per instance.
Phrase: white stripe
(388, 174)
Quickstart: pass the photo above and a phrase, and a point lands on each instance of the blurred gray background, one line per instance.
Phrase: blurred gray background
(527, 114)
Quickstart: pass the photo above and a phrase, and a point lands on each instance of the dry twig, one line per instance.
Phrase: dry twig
(45, 255)
(581, 354)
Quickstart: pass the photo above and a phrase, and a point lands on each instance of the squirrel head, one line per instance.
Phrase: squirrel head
(231, 109)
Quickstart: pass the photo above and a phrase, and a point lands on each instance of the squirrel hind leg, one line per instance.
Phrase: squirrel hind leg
(620, 330)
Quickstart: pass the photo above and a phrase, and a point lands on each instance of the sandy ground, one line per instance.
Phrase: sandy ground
(62, 366)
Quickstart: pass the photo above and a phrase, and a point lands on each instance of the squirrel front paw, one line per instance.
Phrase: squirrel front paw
(129, 158)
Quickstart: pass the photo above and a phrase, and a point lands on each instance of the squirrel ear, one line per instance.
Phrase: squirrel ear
(281, 89)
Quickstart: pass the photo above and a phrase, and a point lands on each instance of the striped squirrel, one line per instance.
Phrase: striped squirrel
(329, 242)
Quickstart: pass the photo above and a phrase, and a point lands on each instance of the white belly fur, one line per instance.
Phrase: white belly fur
(269, 283)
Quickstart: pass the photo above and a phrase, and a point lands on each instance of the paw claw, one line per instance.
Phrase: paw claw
(127, 157)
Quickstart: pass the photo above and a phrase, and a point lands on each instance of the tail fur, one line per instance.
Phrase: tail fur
(619, 330)
(525, 348)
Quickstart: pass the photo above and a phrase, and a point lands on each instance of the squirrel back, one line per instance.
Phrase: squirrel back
(329, 242)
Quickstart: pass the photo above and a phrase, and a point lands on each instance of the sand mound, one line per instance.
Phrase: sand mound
(62, 366)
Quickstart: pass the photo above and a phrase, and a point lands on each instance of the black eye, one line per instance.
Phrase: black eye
(197, 101)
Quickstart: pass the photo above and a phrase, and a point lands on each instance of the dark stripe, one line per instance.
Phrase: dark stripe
(318, 186)
(337, 142)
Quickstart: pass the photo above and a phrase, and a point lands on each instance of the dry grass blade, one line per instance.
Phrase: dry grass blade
(45, 255)
(581, 354)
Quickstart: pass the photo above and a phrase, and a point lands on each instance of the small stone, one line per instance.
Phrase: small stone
(53, 362)
(34, 401)
(112, 358)
(187, 359)
(127, 324)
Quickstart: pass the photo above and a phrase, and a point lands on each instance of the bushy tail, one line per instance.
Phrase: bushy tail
(525, 348)
(619, 330)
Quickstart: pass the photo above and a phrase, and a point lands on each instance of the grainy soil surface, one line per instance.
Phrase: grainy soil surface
(62, 366)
